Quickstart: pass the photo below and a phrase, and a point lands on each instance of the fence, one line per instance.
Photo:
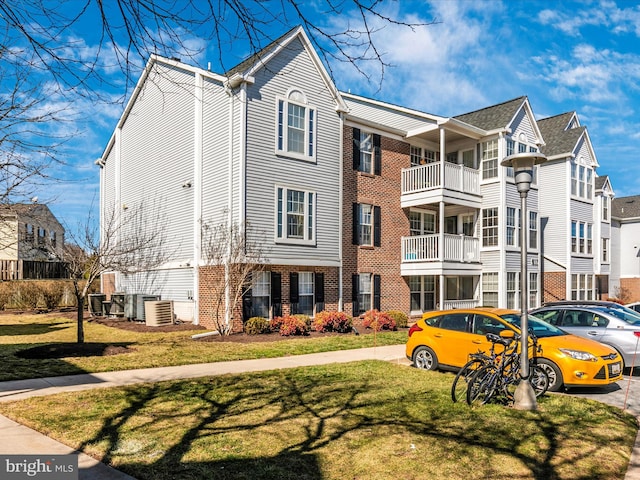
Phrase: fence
(32, 270)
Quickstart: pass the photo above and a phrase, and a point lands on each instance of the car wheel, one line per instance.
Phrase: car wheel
(425, 358)
(554, 374)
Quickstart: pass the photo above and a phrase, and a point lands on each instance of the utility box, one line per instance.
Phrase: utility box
(158, 313)
(140, 301)
(117, 304)
(95, 304)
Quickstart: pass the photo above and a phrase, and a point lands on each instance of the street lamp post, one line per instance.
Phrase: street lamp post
(522, 163)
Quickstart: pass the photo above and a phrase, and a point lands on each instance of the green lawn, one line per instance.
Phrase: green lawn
(362, 420)
(19, 332)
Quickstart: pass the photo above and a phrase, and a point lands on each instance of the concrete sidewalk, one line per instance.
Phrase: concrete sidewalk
(20, 440)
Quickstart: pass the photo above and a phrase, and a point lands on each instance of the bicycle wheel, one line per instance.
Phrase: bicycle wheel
(482, 385)
(461, 381)
(539, 380)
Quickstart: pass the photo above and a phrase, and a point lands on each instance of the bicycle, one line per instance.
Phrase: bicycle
(497, 380)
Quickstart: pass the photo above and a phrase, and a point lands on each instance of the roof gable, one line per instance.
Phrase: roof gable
(626, 207)
(563, 135)
(494, 117)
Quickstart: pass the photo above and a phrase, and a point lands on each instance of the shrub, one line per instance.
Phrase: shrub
(332, 322)
(399, 317)
(256, 326)
(52, 293)
(378, 321)
(275, 323)
(27, 295)
(291, 325)
(305, 318)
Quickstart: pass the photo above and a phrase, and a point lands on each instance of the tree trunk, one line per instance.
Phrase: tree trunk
(80, 318)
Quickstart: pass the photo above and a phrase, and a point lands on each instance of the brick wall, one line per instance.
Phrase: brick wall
(630, 289)
(554, 286)
(383, 191)
(210, 278)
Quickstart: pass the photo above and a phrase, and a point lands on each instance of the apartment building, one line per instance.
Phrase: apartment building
(358, 203)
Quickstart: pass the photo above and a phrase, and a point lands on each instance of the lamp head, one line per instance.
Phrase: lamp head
(522, 164)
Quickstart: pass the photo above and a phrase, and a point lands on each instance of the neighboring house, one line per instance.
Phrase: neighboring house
(363, 204)
(31, 242)
(625, 242)
(572, 223)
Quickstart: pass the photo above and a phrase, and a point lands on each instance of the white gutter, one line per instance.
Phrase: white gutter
(197, 195)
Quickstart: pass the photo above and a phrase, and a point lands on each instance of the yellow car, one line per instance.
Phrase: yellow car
(445, 339)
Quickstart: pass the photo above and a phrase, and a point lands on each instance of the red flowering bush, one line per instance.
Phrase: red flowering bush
(291, 325)
(275, 323)
(332, 322)
(378, 321)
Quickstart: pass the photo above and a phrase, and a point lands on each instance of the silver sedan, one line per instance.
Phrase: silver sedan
(613, 326)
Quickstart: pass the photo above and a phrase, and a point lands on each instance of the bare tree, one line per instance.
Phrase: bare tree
(131, 242)
(233, 252)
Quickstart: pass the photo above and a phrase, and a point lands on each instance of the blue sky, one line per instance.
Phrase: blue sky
(581, 56)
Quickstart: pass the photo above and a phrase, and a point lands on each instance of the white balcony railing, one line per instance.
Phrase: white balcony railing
(426, 248)
(449, 304)
(428, 177)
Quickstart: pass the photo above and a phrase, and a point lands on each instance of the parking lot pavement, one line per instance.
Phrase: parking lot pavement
(624, 394)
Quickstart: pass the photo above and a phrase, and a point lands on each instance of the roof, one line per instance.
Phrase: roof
(494, 117)
(559, 140)
(260, 56)
(28, 209)
(601, 181)
(626, 207)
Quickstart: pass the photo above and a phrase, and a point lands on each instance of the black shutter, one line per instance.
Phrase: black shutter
(377, 227)
(356, 224)
(355, 284)
(376, 292)
(377, 155)
(318, 285)
(276, 293)
(356, 148)
(246, 305)
(293, 287)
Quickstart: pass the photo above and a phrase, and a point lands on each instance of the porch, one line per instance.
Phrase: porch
(440, 248)
(440, 175)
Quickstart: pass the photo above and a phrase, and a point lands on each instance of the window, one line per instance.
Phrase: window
(581, 237)
(490, 159)
(423, 293)
(421, 223)
(512, 236)
(421, 156)
(301, 292)
(533, 289)
(52, 238)
(366, 225)
(467, 159)
(589, 239)
(261, 294)
(512, 289)
(42, 235)
(296, 126)
(581, 179)
(459, 288)
(605, 208)
(365, 293)
(581, 286)
(489, 227)
(295, 215)
(29, 233)
(605, 250)
(490, 289)
(533, 230)
(367, 153)
(452, 157)
(468, 224)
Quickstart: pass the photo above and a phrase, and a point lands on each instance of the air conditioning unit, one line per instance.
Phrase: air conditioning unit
(140, 301)
(117, 304)
(158, 313)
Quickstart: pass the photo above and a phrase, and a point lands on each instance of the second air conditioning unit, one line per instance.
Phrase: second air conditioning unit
(158, 313)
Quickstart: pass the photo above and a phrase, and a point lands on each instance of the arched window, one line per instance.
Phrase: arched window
(296, 126)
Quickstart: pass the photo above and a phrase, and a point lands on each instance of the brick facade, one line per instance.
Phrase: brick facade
(630, 288)
(554, 286)
(210, 278)
(384, 191)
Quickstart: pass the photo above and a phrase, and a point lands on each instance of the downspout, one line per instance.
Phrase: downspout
(118, 206)
(441, 212)
(227, 291)
(197, 195)
(340, 213)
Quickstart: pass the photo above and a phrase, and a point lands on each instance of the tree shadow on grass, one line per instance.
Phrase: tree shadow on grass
(16, 329)
(306, 414)
(74, 349)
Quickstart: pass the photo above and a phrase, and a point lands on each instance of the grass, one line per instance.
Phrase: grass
(20, 332)
(362, 420)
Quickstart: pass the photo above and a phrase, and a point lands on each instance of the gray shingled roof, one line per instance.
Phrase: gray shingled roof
(600, 181)
(558, 140)
(496, 116)
(258, 56)
(626, 207)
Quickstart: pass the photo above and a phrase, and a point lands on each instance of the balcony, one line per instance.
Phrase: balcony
(425, 183)
(426, 248)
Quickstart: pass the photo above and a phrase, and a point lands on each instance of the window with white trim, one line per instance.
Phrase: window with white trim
(605, 208)
(296, 126)
(513, 279)
(423, 293)
(365, 223)
(512, 233)
(421, 223)
(365, 292)
(581, 179)
(589, 239)
(420, 156)
(581, 237)
(260, 294)
(605, 250)
(533, 230)
(533, 289)
(490, 227)
(490, 289)
(582, 286)
(459, 287)
(295, 216)
(490, 159)
(305, 293)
